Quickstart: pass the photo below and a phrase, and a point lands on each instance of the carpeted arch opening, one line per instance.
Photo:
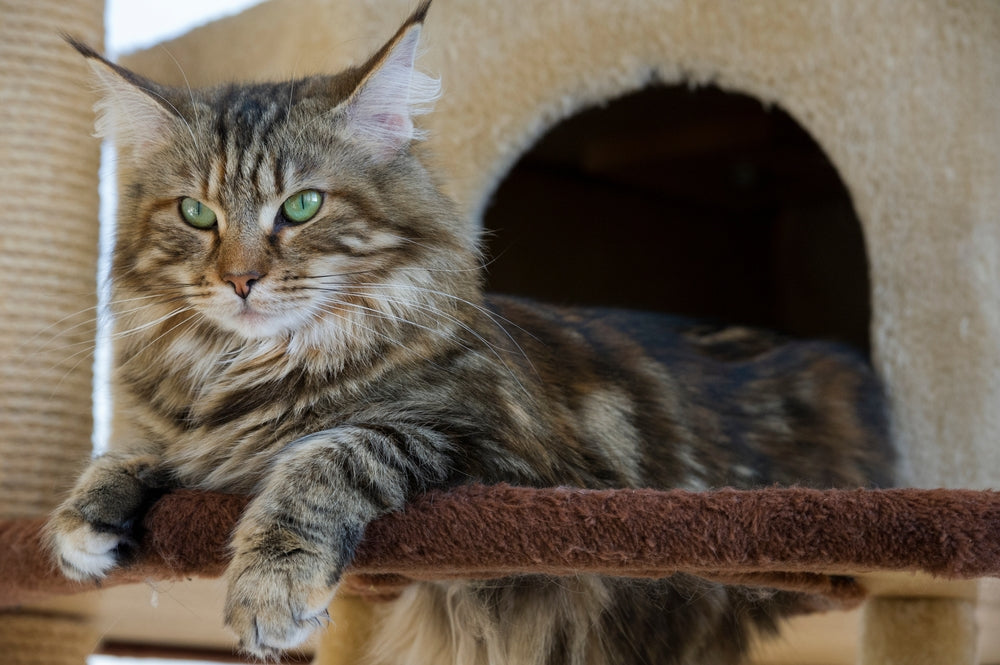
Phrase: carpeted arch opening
(697, 202)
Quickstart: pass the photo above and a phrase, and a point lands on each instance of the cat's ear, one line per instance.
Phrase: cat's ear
(392, 92)
(131, 109)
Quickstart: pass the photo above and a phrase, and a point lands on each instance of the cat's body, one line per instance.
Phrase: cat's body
(300, 317)
(529, 394)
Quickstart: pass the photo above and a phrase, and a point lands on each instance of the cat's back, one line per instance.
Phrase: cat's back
(747, 407)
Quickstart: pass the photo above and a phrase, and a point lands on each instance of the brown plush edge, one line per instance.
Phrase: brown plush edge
(794, 539)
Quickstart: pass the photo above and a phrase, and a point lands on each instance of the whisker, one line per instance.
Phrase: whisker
(133, 299)
(493, 349)
(493, 317)
(331, 308)
(388, 316)
(435, 311)
(337, 274)
(167, 101)
(20, 351)
(126, 312)
(192, 320)
(372, 330)
(90, 319)
(187, 84)
(149, 324)
(481, 265)
(368, 271)
(89, 343)
(483, 310)
(84, 355)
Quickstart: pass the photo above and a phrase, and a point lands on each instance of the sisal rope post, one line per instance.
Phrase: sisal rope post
(918, 631)
(48, 254)
(344, 640)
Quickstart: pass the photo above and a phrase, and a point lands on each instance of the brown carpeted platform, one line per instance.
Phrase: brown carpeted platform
(795, 539)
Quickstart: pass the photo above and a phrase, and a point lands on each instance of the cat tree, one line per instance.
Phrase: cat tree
(905, 100)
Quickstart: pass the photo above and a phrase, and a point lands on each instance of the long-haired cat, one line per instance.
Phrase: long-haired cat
(300, 317)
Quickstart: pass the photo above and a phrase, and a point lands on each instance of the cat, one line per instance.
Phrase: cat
(300, 316)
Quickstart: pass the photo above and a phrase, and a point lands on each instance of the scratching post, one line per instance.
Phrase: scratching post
(351, 619)
(918, 631)
(40, 638)
(48, 251)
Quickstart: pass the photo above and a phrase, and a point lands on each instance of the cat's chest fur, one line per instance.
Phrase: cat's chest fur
(223, 411)
(223, 414)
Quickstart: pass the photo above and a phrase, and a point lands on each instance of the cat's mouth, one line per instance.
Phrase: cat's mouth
(260, 316)
(253, 321)
(255, 314)
(248, 314)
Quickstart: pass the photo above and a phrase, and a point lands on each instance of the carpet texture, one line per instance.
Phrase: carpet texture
(795, 539)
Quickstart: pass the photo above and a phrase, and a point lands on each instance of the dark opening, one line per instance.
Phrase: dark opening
(694, 202)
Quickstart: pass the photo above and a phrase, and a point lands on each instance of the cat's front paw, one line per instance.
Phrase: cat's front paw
(274, 603)
(86, 550)
(93, 529)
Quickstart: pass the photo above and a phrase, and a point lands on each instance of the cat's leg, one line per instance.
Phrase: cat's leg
(88, 533)
(297, 536)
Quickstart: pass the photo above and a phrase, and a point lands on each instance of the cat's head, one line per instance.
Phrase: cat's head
(283, 210)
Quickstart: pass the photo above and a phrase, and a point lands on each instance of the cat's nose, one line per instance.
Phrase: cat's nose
(243, 283)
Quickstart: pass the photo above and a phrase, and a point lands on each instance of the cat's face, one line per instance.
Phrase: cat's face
(274, 210)
(267, 216)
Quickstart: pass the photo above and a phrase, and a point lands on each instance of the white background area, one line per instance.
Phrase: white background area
(136, 24)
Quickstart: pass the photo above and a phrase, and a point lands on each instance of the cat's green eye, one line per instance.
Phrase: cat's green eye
(197, 214)
(302, 206)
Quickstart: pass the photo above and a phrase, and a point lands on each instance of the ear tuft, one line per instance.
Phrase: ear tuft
(382, 108)
(130, 110)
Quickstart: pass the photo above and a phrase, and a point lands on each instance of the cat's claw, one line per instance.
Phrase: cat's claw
(273, 607)
(269, 639)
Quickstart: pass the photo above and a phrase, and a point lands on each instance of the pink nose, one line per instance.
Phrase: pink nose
(243, 282)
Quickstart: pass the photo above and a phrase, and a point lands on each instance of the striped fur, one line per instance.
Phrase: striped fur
(362, 364)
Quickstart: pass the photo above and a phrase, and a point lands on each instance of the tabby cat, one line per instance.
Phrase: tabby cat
(300, 317)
